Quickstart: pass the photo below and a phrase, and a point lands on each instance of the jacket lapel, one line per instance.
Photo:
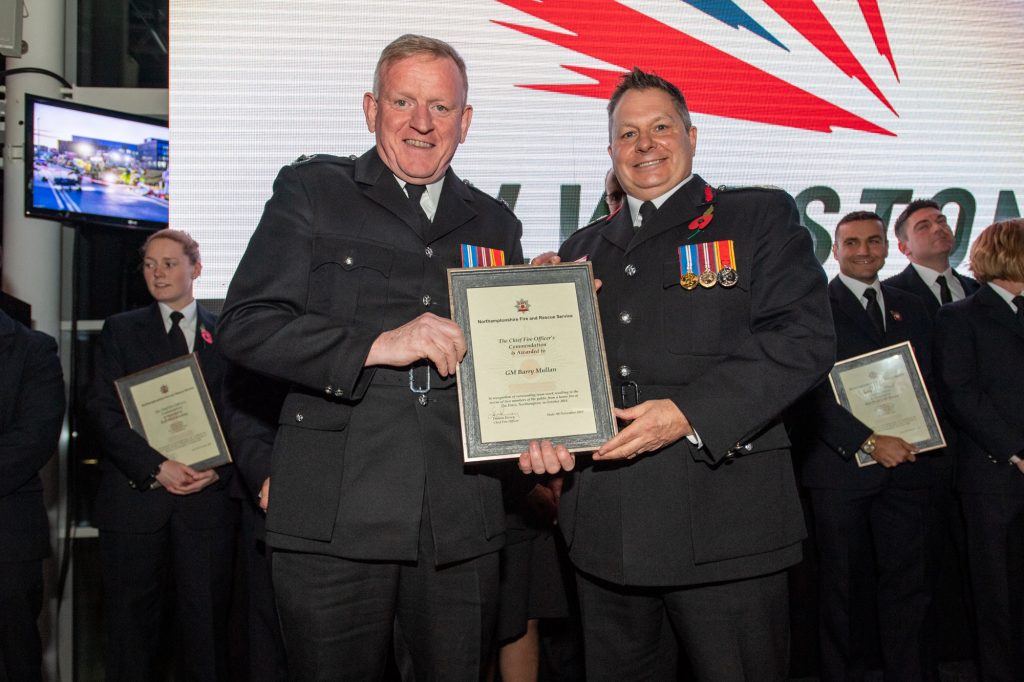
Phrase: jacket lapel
(681, 208)
(846, 302)
(455, 208)
(998, 310)
(152, 337)
(380, 186)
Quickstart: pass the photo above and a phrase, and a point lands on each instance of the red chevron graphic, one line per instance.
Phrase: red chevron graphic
(873, 17)
(805, 17)
(714, 81)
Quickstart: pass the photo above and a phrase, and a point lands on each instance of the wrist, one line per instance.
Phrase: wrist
(869, 445)
(1015, 460)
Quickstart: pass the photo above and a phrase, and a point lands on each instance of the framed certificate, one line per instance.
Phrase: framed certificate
(169, 405)
(536, 364)
(884, 389)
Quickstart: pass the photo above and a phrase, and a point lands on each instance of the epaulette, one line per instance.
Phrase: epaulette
(324, 158)
(597, 221)
(497, 200)
(740, 188)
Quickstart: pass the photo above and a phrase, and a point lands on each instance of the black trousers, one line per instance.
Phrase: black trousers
(886, 533)
(21, 600)
(339, 617)
(731, 631)
(264, 646)
(137, 572)
(995, 540)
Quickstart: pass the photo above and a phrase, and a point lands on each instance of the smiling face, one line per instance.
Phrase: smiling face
(419, 116)
(861, 248)
(928, 239)
(651, 149)
(169, 273)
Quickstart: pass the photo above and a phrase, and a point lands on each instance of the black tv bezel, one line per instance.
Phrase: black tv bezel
(73, 217)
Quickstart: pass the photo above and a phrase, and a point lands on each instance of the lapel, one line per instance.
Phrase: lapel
(150, 336)
(7, 330)
(922, 291)
(846, 302)
(380, 186)
(997, 309)
(969, 285)
(455, 208)
(204, 320)
(618, 228)
(682, 207)
(894, 328)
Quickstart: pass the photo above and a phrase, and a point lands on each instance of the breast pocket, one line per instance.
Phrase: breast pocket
(702, 321)
(348, 276)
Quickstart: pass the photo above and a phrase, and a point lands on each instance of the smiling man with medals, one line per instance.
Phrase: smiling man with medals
(715, 318)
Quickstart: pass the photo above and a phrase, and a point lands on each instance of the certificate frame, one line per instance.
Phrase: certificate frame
(574, 279)
(895, 371)
(168, 420)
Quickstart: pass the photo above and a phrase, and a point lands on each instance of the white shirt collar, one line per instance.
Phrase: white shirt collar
(1005, 295)
(929, 276)
(431, 198)
(858, 288)
(634, 203)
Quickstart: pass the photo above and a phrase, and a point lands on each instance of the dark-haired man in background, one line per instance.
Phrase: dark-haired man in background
(868, 518)
(684, 523)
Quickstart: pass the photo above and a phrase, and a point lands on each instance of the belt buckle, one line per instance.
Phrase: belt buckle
(624, 390)
(422, 391)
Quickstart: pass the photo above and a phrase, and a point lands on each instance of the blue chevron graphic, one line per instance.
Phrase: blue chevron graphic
(731, 14)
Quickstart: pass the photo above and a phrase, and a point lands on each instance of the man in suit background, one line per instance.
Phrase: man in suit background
(31, 412)
(876, 518)
(684, 523)
(925, 238)
(375, 523)
(160, 520)
(980, 359)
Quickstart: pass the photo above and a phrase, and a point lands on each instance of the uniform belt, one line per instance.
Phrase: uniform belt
(386, 376)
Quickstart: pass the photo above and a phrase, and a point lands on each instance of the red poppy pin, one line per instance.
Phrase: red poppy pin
(896, 315)
(206, 335)
(702, 221)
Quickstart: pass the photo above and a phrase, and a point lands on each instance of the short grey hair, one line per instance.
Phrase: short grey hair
(411, 45)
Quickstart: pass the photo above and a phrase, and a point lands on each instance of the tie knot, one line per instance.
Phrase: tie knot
(870, 294)
(176, 317)
(415, 192)
(1018, 301)
(647, 210)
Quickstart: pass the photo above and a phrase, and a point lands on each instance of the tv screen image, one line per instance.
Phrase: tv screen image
(94, 165)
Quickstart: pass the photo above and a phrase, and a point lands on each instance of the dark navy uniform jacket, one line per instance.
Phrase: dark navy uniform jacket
(337, 259)
(731, 359)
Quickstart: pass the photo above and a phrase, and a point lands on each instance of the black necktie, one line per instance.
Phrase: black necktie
(874, 311)
(647, 210)
(945, 295)
(1018, 301)
(415, 194)
(177, 337)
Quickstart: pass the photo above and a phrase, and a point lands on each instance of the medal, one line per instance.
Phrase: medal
(689, 264)
(708, 272)
(725, 257)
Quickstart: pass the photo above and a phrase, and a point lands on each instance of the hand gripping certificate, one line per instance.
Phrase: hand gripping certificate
(169, 405)
(884, 389)
(536, 365)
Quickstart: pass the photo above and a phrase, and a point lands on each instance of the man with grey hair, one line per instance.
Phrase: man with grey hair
(377, 527)
(715, 319)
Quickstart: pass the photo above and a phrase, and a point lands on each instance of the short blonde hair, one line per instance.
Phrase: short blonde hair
(188, 245)
(998, 253)
(412, 45)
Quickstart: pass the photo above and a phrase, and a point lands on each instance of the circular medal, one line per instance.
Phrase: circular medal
(688, 281)
(708, 279)
(727, 277)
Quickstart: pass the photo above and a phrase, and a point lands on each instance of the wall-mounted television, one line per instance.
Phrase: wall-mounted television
(93, 165)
